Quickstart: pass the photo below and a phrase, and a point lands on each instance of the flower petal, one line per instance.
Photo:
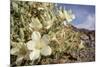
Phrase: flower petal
(19, 60)
(14, 51)
(31, 45)
(36, 36)
(46, 51)
(61, 14)
(36, 24)
(34, 54)
(45, 39)
(69, 17)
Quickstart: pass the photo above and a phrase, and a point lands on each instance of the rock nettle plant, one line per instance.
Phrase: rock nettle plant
(41, 33)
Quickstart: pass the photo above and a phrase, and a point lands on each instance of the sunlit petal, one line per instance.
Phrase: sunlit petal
(61, 14)
(45, 39)
(45, 51)
(36, 36)
(31, 45)
(36, 24)
(67, 16)
(19, 60)
(14, 51)
(34, 54)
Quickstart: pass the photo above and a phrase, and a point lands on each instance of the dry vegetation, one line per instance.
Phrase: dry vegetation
(67, 44)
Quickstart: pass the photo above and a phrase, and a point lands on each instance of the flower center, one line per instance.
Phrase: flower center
(40, 45)
(23, 50)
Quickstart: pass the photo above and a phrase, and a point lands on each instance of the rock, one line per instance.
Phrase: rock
(84, 37)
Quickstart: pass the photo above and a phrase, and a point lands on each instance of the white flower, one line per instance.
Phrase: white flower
(69, 16)
(21, 51)
(38, 46)
(47, 20)
(61, 14)
(36, 24)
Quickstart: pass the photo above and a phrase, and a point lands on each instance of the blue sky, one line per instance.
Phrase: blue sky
(85, 15)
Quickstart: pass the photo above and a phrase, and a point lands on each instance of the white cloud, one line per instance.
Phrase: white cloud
(89, 23)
